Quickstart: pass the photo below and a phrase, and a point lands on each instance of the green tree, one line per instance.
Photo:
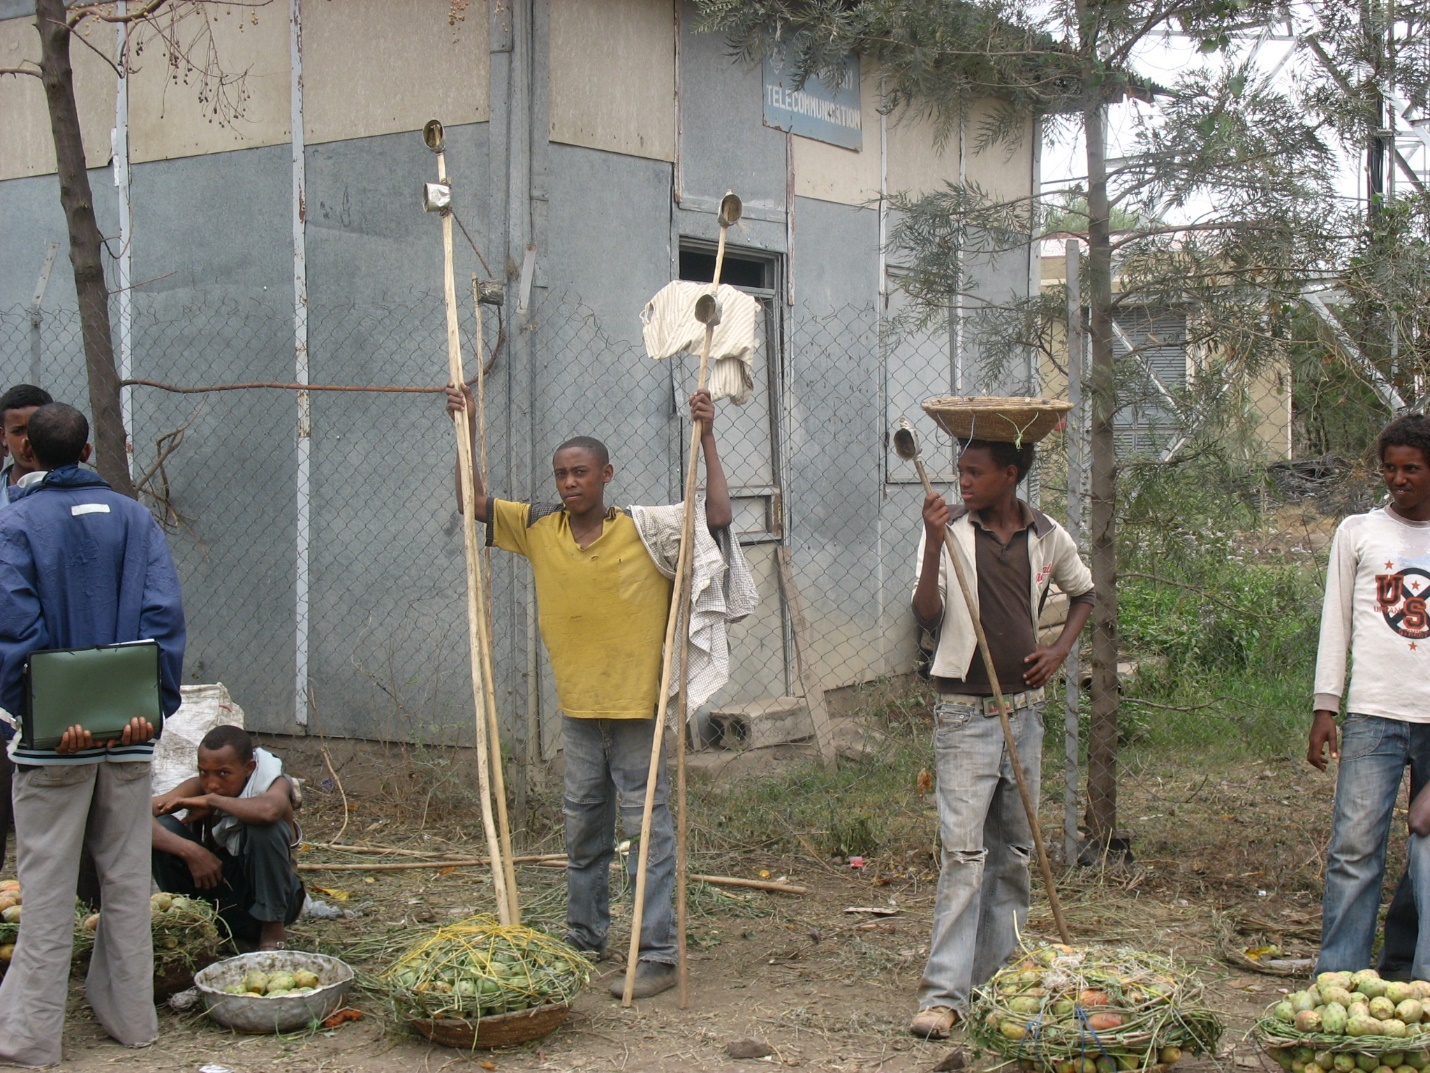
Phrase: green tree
(1243, 160)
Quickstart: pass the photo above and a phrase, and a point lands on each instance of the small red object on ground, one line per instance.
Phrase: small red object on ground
(347, 1013)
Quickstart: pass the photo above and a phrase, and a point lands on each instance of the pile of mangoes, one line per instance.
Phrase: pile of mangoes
(1347, 1022)
(1063, 1009)
(277, 984)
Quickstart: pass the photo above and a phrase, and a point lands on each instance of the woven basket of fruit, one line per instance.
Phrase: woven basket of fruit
(1349, 1021)
(478, 983)
(497, 1030)
(187, 934)
(9, 920)
(1066, 1009)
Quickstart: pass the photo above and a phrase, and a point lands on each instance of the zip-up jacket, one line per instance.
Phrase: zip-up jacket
(1052, 556)
(82, 565)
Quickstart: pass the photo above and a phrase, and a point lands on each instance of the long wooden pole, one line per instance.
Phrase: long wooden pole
(682, 828)
(679, 614)
(545, 860)
(679, 595)
(1003, 718)
(484, 636)
(481, 685)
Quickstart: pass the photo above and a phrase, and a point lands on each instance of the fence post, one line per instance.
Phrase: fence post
(1073, 664)
(37, 317)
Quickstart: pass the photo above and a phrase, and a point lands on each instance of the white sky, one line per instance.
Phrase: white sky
(1168, 56)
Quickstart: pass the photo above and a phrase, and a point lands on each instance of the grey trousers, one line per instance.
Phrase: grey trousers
(52, 807)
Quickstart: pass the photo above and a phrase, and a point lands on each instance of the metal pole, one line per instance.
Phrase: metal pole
(124, 261)
(1073, 664)
(37, 317)
(302, 491)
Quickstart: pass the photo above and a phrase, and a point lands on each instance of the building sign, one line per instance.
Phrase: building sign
(817, 109)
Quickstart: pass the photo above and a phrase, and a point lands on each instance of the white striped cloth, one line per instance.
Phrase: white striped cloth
(722, 591)
(670, 328)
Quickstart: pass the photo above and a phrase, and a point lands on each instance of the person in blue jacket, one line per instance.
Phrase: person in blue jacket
(80, 566)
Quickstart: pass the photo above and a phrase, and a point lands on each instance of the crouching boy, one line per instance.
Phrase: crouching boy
(1010, 554)
(234, 845)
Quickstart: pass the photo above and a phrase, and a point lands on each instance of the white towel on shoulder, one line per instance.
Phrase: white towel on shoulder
(723, 591)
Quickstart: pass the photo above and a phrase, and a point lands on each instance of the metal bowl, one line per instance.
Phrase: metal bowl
(282, 1013)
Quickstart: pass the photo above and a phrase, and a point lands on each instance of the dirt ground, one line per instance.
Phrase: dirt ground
(1227, 859)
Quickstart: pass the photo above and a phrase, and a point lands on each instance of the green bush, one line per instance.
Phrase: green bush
(1223, 630)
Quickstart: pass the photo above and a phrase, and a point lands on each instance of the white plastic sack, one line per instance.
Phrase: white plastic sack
(203, 707)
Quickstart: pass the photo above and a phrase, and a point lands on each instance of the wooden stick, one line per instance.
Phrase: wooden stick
(810, 679)
(344, 847)
(682, 973)
(753, 884)
(484, 637)
(771, 885)
(680, 595)
(682, 569)
(546, 860)
(405, 866)
(480, 684)
(1003, 716)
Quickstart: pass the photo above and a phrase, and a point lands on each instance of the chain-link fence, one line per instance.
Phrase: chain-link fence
(320, 549)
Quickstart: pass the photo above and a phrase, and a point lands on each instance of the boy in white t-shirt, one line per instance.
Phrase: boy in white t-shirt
(1375, 612)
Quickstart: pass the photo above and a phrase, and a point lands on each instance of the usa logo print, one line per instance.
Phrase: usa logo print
(1402, 601)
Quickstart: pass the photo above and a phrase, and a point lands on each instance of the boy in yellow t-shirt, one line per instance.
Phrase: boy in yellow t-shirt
(602, 607)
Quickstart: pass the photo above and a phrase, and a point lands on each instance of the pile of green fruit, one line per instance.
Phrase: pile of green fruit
(479, 968)
(186, 931)
(1065, 1009)
(276, 984)
(1350, 1021)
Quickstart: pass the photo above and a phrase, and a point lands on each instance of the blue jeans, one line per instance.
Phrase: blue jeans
(1374, 755)
(983, 884)
(607, 764)
(1417, 872)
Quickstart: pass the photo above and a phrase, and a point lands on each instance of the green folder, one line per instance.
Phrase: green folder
(100, 689)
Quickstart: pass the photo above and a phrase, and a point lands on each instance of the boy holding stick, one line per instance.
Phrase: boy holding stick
(1010, 553)
(603, 599)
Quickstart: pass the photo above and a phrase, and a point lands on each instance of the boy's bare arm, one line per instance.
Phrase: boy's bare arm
(928, 604)
(459, 400)
(188, 788)
(1046, 659)
(205, 869)
(274, 804)
(1420, 812)
(1323, 739)
(718, 512)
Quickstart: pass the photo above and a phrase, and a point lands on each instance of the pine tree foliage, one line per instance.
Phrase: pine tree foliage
(1226, 203)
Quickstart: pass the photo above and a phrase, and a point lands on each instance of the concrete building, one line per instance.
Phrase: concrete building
(590, 142)
(1169, 353)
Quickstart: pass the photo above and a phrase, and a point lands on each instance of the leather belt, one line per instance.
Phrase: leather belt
(989, 705)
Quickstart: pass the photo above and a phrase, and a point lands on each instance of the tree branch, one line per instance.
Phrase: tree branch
(106, 13)
(84, 40)
(21, 71)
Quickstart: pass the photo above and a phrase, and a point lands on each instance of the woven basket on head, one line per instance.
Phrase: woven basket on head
(1017, 420)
